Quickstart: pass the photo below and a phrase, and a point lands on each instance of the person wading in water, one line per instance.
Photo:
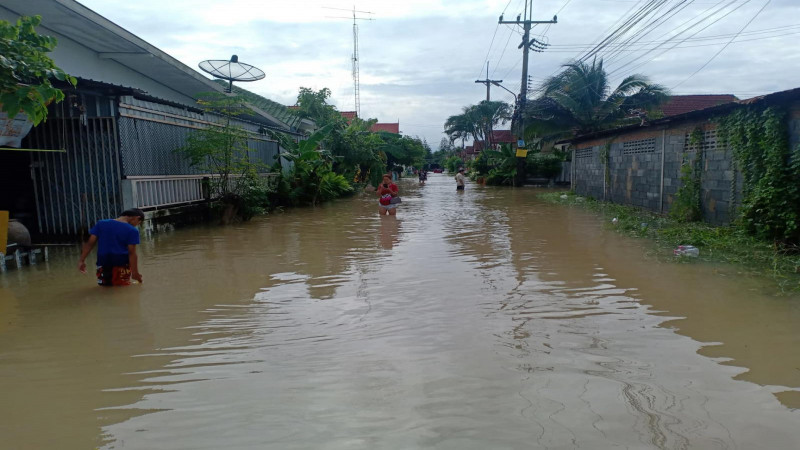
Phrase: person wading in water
(387, 196)
(116, 239)
(460, 178)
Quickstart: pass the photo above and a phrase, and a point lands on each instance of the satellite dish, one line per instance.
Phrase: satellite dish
(231, 70)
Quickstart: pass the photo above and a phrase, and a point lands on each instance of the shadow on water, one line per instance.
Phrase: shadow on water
(483, 319)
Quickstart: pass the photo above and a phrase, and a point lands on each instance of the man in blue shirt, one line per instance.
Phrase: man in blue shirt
(116, 241)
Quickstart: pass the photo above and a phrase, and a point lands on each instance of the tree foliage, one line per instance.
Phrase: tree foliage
(221, 151)
(312, 179)
(580, 100)
(477, 121)
(402, 150)
(26, 70)
(770, 203)
(314, 105)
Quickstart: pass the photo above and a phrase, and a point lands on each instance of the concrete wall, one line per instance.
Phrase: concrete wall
(636, 158)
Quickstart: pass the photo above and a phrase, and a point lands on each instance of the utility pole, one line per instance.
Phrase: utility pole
(487, 81)
(526, 45)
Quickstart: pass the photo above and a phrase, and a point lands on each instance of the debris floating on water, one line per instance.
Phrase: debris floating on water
(687, 250)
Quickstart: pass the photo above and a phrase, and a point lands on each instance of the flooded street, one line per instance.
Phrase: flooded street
(481, 320)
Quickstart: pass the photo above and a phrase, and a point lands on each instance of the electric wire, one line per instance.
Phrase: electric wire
(488, 52)
(702, 17)
(653, 25)
(619, 69)
(726, 45)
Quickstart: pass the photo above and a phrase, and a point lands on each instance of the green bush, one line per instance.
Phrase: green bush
(501, 177)
(333, 186)
(543, 165)
(453, 163)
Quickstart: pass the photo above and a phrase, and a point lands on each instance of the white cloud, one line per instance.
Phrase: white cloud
(420, 58)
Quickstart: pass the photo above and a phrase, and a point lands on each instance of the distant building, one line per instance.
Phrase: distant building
(386, 127)
(499, 137)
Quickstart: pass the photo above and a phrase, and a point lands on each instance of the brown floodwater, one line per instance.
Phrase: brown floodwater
(478, 320)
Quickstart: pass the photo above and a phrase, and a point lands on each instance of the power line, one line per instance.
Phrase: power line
(703, 38)
(726, 45)
(702, 19)
(485, 60)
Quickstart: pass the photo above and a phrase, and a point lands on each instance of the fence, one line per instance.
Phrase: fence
(78, 186)
(162, 192)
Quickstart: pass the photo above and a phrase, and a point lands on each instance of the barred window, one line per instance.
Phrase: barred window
(709, 142)
(584, 153)
(639, 146)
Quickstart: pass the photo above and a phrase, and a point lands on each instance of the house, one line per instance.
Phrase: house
(112, 141)
(386, 127)
(499, 137)
(640, 165)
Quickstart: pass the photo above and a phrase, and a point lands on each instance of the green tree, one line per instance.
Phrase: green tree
(358, 150)
(503, 163)
(312, 179)
(314, 105)
(452, 163)
(402, 150)
(26, 70)
(580, 100)
(222, 151)
(477, 121)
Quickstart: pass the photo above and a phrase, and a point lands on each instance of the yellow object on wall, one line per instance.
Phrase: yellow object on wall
(3, 231)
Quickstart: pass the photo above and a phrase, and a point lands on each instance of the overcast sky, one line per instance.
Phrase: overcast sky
(419, 59)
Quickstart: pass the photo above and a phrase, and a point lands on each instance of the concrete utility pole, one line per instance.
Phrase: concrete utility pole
(488, 82)
(526, 45)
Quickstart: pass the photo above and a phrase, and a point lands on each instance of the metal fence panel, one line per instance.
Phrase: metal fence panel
(151, 148)
(75, 189)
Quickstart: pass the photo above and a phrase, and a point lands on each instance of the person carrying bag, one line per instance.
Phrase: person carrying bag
(388, 197)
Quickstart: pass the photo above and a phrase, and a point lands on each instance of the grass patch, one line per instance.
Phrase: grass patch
(718, 244)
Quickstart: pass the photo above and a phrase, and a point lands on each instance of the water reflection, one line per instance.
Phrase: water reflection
(390, 229)
(482, 319)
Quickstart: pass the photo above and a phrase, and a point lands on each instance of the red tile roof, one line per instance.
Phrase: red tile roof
(679, 104)
(349, 115)
(388, 127)
(502, 137)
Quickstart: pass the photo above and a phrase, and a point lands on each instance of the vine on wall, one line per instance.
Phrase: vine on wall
(605, 152)
(687, 206)
(770, 204)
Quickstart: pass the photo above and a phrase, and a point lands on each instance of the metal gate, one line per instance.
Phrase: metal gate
(79, 186)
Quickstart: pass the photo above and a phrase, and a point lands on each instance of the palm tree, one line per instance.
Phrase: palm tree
(460, 126)
(477, 121)
(579, 100)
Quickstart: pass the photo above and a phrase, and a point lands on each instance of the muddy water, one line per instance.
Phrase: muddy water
(480, 320)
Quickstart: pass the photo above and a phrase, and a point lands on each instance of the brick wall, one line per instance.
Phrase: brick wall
(635, 163)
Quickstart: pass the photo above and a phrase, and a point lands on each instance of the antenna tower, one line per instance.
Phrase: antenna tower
(356, 75)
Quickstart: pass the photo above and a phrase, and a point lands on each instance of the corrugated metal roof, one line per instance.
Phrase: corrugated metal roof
(680, 104)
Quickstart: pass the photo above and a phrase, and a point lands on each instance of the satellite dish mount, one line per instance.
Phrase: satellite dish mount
(232, 70)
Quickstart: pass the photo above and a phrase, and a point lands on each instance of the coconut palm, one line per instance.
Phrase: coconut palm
(460, 126)
(477, 121)
(579, 100)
